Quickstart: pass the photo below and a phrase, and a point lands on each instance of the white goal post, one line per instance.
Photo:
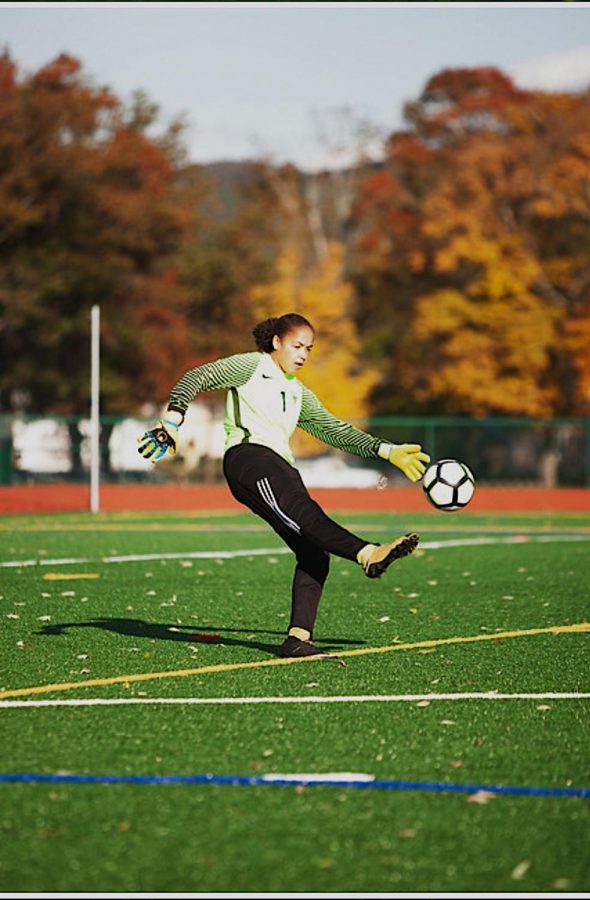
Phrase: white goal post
(95, 409)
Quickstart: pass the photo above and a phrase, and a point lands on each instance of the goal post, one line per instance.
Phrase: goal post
(95, 409)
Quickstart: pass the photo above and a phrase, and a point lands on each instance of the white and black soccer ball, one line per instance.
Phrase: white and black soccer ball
(448, 484)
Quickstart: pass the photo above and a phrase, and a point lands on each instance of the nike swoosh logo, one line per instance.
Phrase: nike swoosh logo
(267, 376)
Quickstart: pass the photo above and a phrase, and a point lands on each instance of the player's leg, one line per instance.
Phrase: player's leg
(311, 572)
(275, 490)
(309, 578)
(243, 473)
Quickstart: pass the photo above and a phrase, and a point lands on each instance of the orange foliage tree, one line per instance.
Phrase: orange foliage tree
(471, 257)
(90, 213)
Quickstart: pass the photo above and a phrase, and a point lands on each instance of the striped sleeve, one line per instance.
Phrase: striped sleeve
(317, 421)
(228, 372)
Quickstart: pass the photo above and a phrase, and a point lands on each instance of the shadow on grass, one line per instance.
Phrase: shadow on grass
(185, 633)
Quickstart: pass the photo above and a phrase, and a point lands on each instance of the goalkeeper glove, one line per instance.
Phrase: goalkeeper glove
(407, 457)
(159, 440)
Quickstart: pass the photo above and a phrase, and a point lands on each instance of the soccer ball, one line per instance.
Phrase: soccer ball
(448, 484)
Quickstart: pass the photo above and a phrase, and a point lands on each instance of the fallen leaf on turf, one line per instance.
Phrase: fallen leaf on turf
(520, 870)
(423, 703)
(455, 763)
(481, 797)
(51, 832)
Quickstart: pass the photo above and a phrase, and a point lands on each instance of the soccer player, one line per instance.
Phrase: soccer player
(265, 403)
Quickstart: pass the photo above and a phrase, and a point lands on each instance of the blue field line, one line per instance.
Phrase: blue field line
(293, 781)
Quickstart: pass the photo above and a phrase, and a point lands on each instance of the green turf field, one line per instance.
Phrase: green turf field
(450, 740)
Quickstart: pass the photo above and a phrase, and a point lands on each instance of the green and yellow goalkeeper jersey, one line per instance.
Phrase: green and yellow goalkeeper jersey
(265, 405)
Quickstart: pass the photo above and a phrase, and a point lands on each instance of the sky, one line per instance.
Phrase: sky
(296, 82)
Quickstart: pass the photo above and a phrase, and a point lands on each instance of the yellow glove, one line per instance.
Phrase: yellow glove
(408, 457)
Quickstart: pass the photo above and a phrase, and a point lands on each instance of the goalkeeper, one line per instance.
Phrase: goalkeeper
(265, 403)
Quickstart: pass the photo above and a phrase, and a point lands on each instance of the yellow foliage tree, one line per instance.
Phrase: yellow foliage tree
(334, 371)
(490, 341)
(472, 268)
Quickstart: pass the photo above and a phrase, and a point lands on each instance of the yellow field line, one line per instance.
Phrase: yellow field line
(579, 628)
(69, 576)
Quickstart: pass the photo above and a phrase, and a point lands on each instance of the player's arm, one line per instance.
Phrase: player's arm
(228, 372)
(316, 420)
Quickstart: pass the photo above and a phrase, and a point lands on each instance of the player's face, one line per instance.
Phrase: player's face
(292, 350)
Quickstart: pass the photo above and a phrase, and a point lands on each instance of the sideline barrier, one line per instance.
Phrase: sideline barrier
(56, 498)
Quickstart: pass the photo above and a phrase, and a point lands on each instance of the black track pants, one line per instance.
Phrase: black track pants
(273, 489)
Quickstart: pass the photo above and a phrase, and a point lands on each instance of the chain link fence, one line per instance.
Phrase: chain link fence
(500, 451)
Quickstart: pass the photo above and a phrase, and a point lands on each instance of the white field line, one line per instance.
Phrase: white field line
(352, 698)
(275, 551)
(147, 557)
(322, 776)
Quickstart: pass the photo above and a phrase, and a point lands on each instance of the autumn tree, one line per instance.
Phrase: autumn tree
(321, 293)
(91, 212)
(471, 262)
(238, 244)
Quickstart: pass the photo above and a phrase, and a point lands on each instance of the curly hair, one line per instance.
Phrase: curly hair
(281, 326)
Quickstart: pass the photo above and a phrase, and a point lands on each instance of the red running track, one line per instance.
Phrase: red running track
(56, 498)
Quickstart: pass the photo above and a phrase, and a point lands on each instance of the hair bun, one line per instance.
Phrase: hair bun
(265, 331)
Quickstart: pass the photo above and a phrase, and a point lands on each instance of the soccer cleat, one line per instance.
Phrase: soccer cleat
(384, 554)
(294, 647)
